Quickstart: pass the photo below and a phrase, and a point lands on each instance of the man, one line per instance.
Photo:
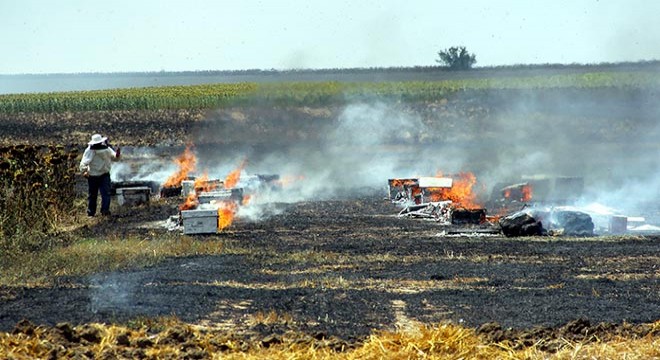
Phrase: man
(95, 166)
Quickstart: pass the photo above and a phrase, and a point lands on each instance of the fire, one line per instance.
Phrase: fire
(246, 199)
(507, 193)
(403, 182)
(190, 203)
(415, 192)
(227, 209)
(202, 183)
(460, 193)
(186, 162)
(501, 212)
(226, 212)
(234, 176)
(526, 193)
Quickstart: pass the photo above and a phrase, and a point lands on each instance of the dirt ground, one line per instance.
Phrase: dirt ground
(343, 268)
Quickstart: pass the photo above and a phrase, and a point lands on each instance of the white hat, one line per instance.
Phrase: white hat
(97, 139)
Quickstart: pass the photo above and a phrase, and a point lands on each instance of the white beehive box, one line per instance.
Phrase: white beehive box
(235, 194)
(200, 221)
(132, 196)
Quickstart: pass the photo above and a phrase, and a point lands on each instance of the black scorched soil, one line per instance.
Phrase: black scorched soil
(344, 268)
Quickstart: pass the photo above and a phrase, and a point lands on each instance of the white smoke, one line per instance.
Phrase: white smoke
(360, 150)
(137, 164)
(635, 198)
(110, 293)
(358, 153)
(369, 142)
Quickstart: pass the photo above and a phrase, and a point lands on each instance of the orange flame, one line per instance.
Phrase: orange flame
(403, 182)
(190, 203)
(501, 212)
(234, 176)
(526, 193)
(415, 192)
(226, 212)
(202, 183)
(246, 199)
(187, 162)
(460, 193)
(507, 193)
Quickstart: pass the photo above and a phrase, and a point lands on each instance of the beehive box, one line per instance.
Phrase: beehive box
(132, 196)
(200, 221)
(235, 194)
(618, 224)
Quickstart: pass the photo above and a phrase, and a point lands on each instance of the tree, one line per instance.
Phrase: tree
(457, 58)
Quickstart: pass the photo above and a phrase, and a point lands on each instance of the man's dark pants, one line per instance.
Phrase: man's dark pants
(96, 184)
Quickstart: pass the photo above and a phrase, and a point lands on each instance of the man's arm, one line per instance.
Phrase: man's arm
(88, 155)
(114, 155)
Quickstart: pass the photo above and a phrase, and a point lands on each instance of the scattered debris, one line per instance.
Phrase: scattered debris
(462, 216)
(520, 224)
(438, 211)
(558, 221)
(572, 223)
(471, 233)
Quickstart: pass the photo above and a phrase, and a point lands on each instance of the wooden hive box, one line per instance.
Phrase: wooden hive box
(132, 196)
(200, 221)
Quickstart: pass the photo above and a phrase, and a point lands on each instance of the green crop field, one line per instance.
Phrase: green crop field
(304, 93)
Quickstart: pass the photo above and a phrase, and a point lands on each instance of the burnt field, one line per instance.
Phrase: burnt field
(328, 258)
(343, 268)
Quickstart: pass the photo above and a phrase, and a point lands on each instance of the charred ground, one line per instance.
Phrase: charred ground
(343, 268)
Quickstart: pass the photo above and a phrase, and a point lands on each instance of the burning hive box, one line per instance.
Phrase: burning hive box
(416, 190)
(208, 197)
(198, 186)
(200, 221)
(209, 209)
(539, 189)
(448, 200)
(211, 204)
(212, 212)
(251, 183)
(189, 184)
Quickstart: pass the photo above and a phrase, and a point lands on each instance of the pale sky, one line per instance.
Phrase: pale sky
(74, 36)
